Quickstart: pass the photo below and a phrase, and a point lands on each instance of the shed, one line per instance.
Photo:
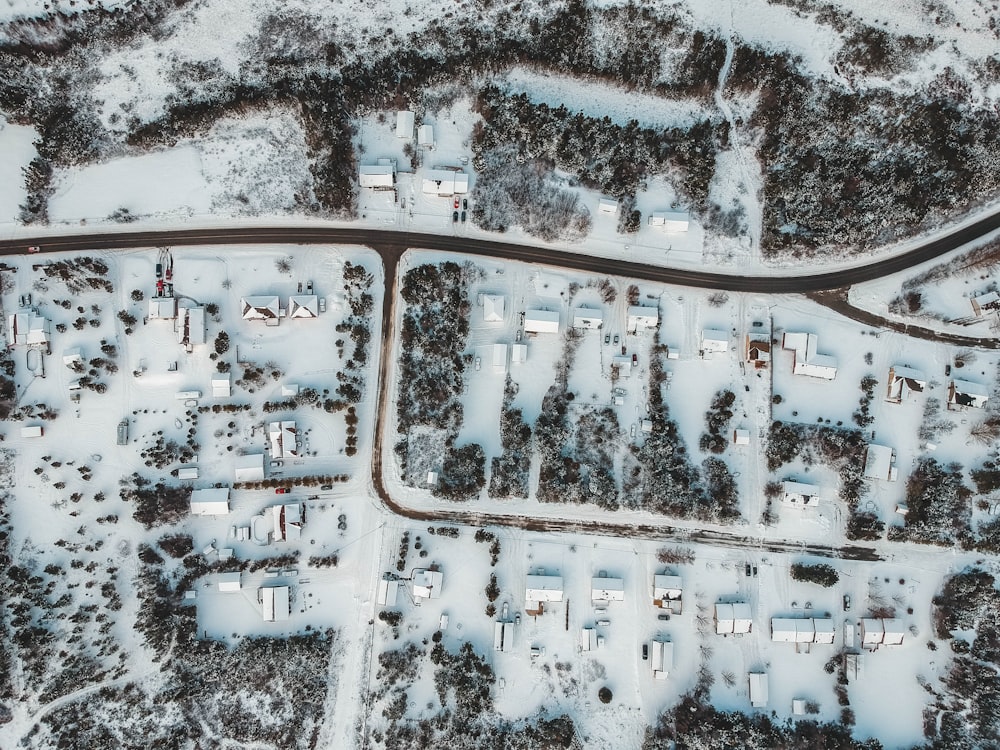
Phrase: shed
(607, 589)
(714, 341)
(588, 639)
(741, 437)
(250, 467)
(588, 318)
(518, 354)
(187, 472)
(230, 581)
(493, 308)
(32, 431)
(607, 206)
(499, 356)
(670, 221)
(541, 321)
(275, 602)
(388, 592)
(212, 501)
(425, 136)
(878, 463)
(758, 689)
(405, 119)
(222, 385)
(427, 584)
(661, 658)
(641, 318)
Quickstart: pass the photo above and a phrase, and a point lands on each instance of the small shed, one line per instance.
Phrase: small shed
(187, 472)
(425, 136)
(588, 639)
(230, 581)
(741, 437)
(32, 431)
(607, 206)
(405, 120)
(758, 689)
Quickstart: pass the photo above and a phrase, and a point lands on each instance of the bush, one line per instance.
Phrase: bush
(821, 574)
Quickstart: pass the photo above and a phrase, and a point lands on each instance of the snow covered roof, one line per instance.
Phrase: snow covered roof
(230, 581)
(607, 590)
(642, 317)
(714, 341)
(493, 308)
(741, 617)
(670, 221)
(543, 588)
(758, 348)
(388, 592)
(758, 689)
(260, 307)
(878, 462)
(607, 206)
(427, 584)
(425, 135)
(965, 393)
(807, 361)
(303, 306)
(162, 308)
(72, 355)
(661, 658)
(211, 501)
(903, 382)
(541, 321)
(894, 631)
(793, 630)
(32, 431)
(378, 175)
(222, 385)
(499, 354)
(445, 182)
(624, 365)
(824, 629)
(191, 325)
(799, 495)
(741, 437)
(519, 354)
(282, 439)
(250, 467)
(667, 587)
(732, 618)
(404, 124)
(587, 317)
(28, 328)
(187, 472)
(872, 631)
(985, 303)
(503, 636)
(275, 602)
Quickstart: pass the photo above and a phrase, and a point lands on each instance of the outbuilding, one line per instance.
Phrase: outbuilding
(879, 463)
(661, 658)
(758, 689)
(249, 467)
(275, 603)
(230, 582)
(670, 221)
(211, 501)
(405, 120)
(541, 321)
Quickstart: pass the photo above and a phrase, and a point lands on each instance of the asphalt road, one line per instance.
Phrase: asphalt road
(390, 245)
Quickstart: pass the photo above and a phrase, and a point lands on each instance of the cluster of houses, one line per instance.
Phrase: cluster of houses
(267, 309)
(425, 583)
(274, 601)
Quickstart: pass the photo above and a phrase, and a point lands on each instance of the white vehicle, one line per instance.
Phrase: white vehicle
(506, 607)
(479, 363)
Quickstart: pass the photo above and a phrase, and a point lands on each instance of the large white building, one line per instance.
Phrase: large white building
(807, 361)
(427, 584)
(802, 630)
(249, 467)
(587, 317)
(607, 589)
(733, 618)
(670, 221)
(212, 501)
(541, 321)
(282, 437)
(28, 328)
(639, 318)
(714, 342)
(275, 603)
(540, 589)
(377, 176)
(445, 182)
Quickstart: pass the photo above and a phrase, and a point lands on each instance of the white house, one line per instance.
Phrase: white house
(661, 658)
(518, 354)
(713, 341)
(985, 303)
(607, 206)
(758, 350)
(802, 630)
(607, 590)
(493, 308)
(623, 364)
(799, 496)
(405, 120)
(28, 328)
(445, 182)
(733, 618)
(162, 308)
(249, 467)
(894, 632)
(212, 501)
(758, 689)
(427, 584)
(230, 581)
(191, 326)
(286, 522)
(275, 603)
(72, 356)
(641, 318)
(388, 593)
(541, 321)
(882, 632)
(904, 383)
(807, 361)
(540, 589)
(963, 394)
(425, 136)
(824, 630)
(586, 317)
(670, 221)
(282, 438)
(499, 352)
(261, 307)
(303, 306)
(667, 593)
(879, 463)
(222, 385)
(377, 176)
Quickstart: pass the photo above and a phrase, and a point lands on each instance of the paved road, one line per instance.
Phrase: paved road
(391, 245)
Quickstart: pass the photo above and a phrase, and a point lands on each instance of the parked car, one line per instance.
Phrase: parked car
(282, 490)
(755, 571)
(465, 204)
(326, 487)
(454, 217)
(616, 338)
(506, 608)
(517, 619)
(847, 602)
(456, 203)
(947, 370)
(463, 216)
(663, 616)
(479, 363)
(645, 651)
(607, 338)
(748, 570)
(635, 360)
(34, 249)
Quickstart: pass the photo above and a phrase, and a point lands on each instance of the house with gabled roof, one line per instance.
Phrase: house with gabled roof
(965, 395)
(905, 384)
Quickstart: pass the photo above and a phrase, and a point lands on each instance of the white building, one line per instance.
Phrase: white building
(588, 639)
(499, 355)
(377, 176)
(963, 394)
(212, 501)
(667, 593)
(985, 303)
(72, 356)
(904, 384)
(28, 328)
(800, 496)
(191, 326)
(758, 350)
(758, 689)
(607, 590)
(222, 385)
(741, 437)
(541, 321)
(388, 593)
(282, 437)
(162, 308)
(493, 308)
(670, 221)
(807, 361)
(427, 584)
(445, 182)
(714, 342)
(503, 636)
(425, 136)
(286, 522)
(733, 618)
(541, 589)
(661, 658)
(250, 467)
(275, 603)
(261, 307)
(405, 119)
(587, 317)
(518, 354)
(303, 306)
(894, 632)
(607, 206)
(32, 431)
(642, 318)
(187, 472)
(879, 463)
(802, 630)
(623, 364)
(230, 582)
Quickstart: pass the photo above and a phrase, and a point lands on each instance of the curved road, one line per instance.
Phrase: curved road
(391, 245)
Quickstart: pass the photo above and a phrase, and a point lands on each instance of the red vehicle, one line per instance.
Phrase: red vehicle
(159, 287)
(456, 203)
(635, 360)
(37, 249)
(282, 491)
